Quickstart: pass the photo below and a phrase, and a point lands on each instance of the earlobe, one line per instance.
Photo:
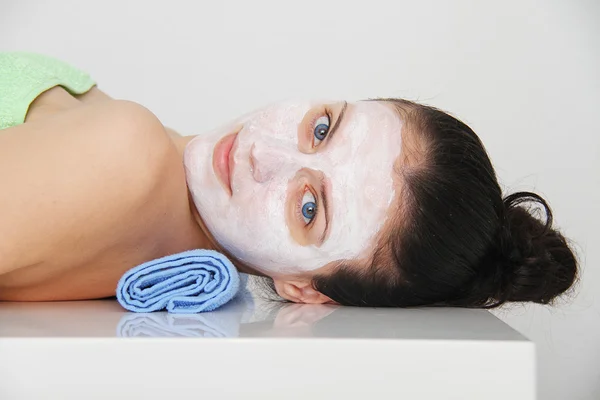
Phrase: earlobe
(288, 291)
(311, 296)
(301, 292)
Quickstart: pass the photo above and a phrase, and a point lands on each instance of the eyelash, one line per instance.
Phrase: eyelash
(299, 207)
(326, 113)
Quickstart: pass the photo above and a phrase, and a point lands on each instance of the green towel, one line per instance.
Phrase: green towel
(24, 76)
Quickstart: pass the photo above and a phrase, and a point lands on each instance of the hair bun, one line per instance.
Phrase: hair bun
(537, 263)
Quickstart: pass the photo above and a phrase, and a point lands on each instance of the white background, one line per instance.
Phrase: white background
(525, 75)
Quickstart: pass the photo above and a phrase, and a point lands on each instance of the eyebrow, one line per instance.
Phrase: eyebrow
(324, 195)
(334, 129)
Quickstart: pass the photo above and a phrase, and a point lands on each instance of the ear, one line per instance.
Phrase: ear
(300, 291)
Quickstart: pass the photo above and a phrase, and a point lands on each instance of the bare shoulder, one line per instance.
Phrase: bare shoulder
(85, 180)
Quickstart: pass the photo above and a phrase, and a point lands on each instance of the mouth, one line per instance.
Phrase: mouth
(223, 163)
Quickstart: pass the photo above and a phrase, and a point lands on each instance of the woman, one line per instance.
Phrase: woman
(371, 203)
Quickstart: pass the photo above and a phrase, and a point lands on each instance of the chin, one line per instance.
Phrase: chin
(197, 160)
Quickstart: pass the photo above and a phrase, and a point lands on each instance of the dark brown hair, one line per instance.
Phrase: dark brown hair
(456, 241)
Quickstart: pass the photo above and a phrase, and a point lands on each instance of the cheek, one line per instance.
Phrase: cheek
(256, 216)
(260, 205)
(279, 121)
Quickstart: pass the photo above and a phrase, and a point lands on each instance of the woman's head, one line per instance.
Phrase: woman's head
(376, 203)
(311, 183)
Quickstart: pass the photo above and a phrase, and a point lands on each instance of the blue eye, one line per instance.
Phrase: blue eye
(321, 129)
(309, 207)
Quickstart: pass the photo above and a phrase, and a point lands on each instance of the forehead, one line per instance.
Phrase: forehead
(391, 120)
(372, 119)
(363, 155)
(370, 131)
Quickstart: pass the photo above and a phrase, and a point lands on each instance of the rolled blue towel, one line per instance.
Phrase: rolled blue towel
(190, 282)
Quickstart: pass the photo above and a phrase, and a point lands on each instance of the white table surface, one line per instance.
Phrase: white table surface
(253, 349)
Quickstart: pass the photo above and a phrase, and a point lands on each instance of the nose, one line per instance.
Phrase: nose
(265, 161)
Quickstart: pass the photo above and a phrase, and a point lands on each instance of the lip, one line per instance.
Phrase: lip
(223, 163)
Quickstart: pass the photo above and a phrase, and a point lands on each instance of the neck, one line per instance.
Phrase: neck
(207, 241)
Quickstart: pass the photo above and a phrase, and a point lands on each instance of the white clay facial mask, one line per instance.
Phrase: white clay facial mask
(284, 158)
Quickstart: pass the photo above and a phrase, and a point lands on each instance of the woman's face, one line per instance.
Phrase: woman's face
(297, 185)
